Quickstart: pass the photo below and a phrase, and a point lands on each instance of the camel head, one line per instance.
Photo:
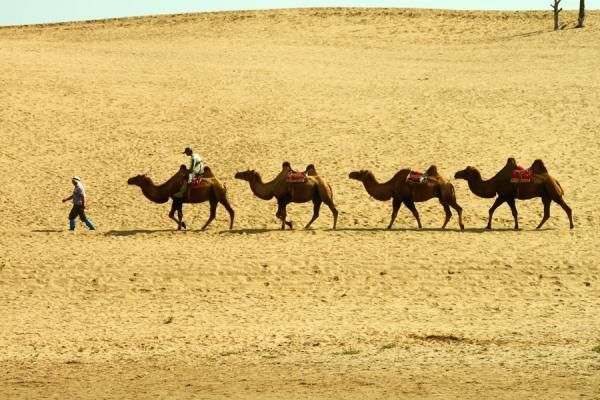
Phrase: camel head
(137, 180)
(466, 173)
(359, 175)
(247, 175)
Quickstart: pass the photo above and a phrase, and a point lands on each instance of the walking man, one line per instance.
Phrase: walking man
(79, 201)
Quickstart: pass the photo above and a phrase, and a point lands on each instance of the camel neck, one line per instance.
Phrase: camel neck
(261, 189)
(482, 188)
(161, 193)
(153, 193)
(379, 191)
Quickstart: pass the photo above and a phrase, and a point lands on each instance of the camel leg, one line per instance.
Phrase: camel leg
(177, 206)
(458, 210)
(221, 195)
(411, 206)
(172, 216)
(222, 198)
(282, 213)
(213, 211)
(180, 213)
(513, 208)
(396, 203)
(229, 210)
(546, 201)
(499, 201)
(278, 214)
(567, 210)
(448, 215)
(316, 208)
(334, 211)
(180, 217)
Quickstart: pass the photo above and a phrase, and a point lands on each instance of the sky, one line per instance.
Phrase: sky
(19, 12)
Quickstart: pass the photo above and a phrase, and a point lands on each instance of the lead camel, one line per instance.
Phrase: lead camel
(210, 189)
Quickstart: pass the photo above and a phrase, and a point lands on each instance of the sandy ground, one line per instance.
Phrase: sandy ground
(138, 310)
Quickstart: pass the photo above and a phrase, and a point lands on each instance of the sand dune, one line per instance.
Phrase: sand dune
(137, 310)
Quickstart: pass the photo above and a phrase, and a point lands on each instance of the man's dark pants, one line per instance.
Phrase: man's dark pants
(77, 211)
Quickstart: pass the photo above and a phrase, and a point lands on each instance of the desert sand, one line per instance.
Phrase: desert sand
(139, 310)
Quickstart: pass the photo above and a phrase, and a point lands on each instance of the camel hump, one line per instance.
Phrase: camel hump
(208, 173)
(506, 171)
(311, 170)
(432, 171)
(538, 167)
(286, 165)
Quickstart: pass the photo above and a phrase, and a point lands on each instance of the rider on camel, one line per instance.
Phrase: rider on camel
(196, 168)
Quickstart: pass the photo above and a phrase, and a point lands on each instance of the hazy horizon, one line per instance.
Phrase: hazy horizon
(53, 11)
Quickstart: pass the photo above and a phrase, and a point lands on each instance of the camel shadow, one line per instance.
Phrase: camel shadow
(48, 230)
(366, 229)
(137, 232)
(251, 231)
(466, 230)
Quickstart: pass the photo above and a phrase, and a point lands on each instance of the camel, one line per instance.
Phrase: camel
(541, 185)
(400, 190)
(210, 189)
(315, 189)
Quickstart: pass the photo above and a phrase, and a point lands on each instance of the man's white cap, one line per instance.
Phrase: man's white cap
(76, 178)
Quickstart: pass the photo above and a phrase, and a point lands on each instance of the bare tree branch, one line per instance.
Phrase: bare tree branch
(556, 12)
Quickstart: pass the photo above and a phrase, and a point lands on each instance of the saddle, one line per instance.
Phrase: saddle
(416, 177)
(296, 177)
(196, 181)
(521, 175)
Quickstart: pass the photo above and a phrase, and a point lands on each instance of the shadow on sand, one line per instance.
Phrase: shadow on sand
(255, 231)
(466, 230)
(563, 27)
(252, 231)
(368, 229)
(132, 232)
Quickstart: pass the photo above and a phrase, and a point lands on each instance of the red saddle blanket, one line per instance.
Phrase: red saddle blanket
(521, 175)
(417, 177)
(296, 176)
(196, 181)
